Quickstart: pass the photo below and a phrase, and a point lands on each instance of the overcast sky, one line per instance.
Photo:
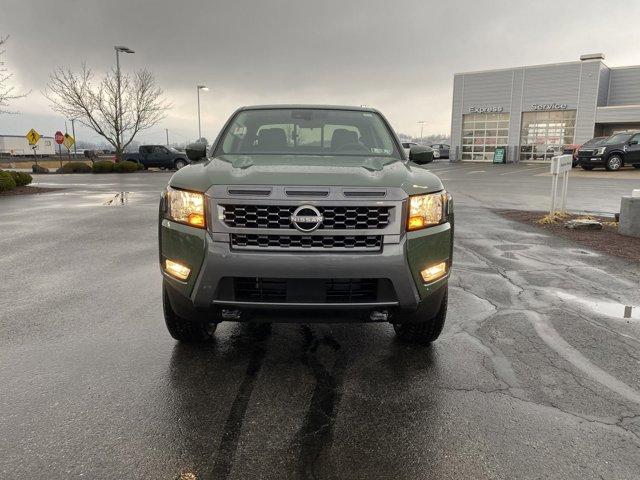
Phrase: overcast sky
(397, 56)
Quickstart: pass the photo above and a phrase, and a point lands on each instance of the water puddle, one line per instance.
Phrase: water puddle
(512, 247)
(120, 198)
(610, 309)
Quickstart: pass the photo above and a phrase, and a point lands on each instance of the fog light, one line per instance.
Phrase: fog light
(176, 270)
(196, 219)
(416, 222)
(434, 272)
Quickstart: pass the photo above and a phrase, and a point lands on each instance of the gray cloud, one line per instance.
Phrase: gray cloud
(397, 56)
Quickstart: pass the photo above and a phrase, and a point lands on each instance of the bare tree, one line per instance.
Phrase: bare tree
(7, 92)
(94, 103)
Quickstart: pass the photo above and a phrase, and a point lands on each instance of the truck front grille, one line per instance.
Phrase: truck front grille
(310, 290)
(279, 216)
(306, 242)
(585, 153)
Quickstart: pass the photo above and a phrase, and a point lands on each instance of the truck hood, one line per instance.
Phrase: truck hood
(312, 170)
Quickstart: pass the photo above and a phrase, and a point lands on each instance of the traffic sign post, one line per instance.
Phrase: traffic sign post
(68, 142)
(32, 137)
(560, 166)
(59, 139)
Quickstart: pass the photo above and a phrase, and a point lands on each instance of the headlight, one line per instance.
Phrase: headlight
(600, 150)
(427, 210)
(186, 207)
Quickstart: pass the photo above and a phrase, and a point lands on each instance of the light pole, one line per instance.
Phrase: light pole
(119, 49)
(203, 88)
(421, 123)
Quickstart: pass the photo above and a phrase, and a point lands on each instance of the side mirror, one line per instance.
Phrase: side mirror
(196, 151)
(420, 155)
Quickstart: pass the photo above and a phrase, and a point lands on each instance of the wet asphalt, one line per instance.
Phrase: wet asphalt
(535, 375)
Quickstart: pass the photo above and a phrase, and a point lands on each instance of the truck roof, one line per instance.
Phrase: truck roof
(308, 107)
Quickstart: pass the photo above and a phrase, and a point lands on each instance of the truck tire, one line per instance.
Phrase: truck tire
(179, 163)
(182, 329)
(423, 333)
(614, 162)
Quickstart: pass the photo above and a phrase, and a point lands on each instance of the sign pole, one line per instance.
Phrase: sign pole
(554, 189)
(564, 191)
(32, 137)
(59, 137)
(560, 165)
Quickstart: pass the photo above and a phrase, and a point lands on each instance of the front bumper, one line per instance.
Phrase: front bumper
(591, 161)
(213, 261)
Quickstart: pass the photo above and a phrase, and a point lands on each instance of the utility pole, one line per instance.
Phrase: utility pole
(421, 123)
(75, 143)
(167, 130)
(118, 125)
(66, 131)
(204, 88)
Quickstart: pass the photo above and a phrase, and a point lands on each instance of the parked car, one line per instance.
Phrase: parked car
(158, 156)
(572, 148)
(407, 147)
(442, 148)
(612, 153)
(306, 214)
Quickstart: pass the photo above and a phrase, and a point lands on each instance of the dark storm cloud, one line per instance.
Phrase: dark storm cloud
(398, 56)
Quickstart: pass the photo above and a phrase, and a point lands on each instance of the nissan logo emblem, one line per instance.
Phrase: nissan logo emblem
(306, 218)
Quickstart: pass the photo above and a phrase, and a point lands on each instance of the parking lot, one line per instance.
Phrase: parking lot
(535, 376)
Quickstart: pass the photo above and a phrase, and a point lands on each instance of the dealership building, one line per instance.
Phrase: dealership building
(534, 111)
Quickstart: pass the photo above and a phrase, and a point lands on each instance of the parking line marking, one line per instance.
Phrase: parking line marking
(523, 170)
(477, 171)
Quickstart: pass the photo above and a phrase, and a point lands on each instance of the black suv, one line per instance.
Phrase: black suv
(614, 152)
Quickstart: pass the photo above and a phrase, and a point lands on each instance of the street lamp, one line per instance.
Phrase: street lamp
(119, 49)
(204, 88)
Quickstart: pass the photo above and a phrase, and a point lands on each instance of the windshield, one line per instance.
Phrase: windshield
(308, 132)
(619, 138)
(594, 141)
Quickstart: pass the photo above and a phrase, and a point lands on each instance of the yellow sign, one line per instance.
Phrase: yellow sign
(68, 141)
(32, 136)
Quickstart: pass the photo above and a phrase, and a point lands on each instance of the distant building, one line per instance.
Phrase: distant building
(534, 110)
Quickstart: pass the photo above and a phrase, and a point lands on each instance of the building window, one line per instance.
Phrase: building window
(482, 133)
(543, 134)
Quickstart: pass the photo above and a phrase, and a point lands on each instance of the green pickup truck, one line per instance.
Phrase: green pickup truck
(306, 214)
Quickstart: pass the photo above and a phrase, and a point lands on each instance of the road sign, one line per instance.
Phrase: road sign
(68, 141)
(32, 137)
(561, 164)
(59, 137)
(498, 155)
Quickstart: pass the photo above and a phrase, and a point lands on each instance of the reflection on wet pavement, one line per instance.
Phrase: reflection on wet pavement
(610, 309)
(120, 198)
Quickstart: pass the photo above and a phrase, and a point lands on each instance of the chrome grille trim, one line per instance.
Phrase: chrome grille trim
(278, 216)
(305, 243)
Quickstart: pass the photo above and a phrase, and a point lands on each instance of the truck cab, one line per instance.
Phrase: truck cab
(159, 156)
